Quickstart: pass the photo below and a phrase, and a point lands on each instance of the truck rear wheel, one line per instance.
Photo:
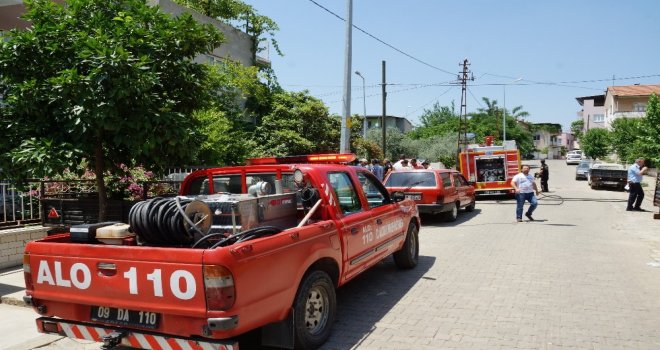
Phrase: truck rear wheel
(314, 310)
(408, 256)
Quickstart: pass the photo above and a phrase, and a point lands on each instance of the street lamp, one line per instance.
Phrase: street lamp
(504, 114)
(364, 103)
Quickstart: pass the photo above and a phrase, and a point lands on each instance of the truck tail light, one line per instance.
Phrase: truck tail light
(27, 272)
(219, 284)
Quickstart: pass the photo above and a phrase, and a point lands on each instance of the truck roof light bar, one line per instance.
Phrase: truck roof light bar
(311, 158)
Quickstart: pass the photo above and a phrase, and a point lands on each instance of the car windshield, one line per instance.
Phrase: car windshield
(411, 179)
(583, 166)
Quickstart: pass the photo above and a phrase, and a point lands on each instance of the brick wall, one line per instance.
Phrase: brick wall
(13, 241)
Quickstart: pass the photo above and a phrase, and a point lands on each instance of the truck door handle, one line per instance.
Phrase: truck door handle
(107, 269)
(379, 221)
(354, 230)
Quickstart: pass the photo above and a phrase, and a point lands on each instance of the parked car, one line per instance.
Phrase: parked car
(436, 191)
(573, 158)
(582, 170)
(607, 175)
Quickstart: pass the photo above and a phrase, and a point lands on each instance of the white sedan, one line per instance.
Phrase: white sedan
(573, 158)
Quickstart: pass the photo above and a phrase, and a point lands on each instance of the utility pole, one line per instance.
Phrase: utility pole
(463, 78)
(344, 142)
(364, 105)
(382, 119)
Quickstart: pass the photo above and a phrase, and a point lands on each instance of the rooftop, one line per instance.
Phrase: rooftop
(634, 90)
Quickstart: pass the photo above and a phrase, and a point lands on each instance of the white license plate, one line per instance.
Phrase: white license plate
(491, 192)
(414, 197)
(123, 317)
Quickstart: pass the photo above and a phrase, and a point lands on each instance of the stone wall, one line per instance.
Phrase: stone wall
(13, 241)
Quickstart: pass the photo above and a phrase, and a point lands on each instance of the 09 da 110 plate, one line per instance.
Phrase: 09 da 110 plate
(124, 317)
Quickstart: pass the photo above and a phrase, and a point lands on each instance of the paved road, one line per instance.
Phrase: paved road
(577, 278)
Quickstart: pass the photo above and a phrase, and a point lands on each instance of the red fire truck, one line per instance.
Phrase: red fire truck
(490, 167)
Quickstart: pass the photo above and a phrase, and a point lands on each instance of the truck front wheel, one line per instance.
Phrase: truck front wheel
(314, 310)
(407, 257)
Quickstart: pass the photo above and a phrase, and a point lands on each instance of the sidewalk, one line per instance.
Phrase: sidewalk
(12, 286)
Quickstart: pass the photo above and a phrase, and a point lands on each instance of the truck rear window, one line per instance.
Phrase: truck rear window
(411, 179)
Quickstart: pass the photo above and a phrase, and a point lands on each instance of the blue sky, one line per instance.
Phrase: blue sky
(568, 42)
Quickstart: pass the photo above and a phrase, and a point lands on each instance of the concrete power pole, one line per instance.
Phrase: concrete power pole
(383, 118)
(344, 144)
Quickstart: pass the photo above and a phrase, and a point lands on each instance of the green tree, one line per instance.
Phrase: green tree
(296, 124)
(488, 122)
(596, 143)
(113, 82)
(576, 128)
(650, 136)
(240, 15)
(625, 138)
(395, 143)
(437, 121)
(518, 113)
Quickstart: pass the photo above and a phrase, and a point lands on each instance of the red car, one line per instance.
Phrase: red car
(435, 191)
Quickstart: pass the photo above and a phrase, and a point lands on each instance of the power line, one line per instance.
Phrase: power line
(475, 99)
(392, 92)
(383, 42)
(578, 81)
(435, 99)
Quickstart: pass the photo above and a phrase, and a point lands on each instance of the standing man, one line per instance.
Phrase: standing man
(635, 175)
(525, 188)
(377, 169)
(545, 175)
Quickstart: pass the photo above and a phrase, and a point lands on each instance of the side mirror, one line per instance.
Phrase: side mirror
(398, 196)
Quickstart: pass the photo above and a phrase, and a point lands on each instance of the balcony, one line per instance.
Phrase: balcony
(631, 114)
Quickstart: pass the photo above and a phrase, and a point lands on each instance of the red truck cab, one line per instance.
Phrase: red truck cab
(269, 259)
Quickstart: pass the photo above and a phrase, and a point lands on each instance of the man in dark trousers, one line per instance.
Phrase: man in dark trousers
(544, 174)
(635, 177)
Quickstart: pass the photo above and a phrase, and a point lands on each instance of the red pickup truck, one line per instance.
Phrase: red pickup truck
(246, 247)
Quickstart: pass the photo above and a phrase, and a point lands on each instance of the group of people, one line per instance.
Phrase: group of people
(381, 171)
(525, 187)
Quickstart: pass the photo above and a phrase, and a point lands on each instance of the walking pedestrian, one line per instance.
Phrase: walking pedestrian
(426, 164)
(545, 175)
(635, 176)
(525, 188)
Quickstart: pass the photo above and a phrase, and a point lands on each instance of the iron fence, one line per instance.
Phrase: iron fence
(19, 207)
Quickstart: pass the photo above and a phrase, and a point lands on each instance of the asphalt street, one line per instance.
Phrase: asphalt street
(584, 275)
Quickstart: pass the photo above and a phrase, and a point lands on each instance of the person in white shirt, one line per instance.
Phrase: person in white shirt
(525, 188)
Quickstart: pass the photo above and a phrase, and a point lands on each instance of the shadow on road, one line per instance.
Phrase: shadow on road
(439, 220)
(6, 289)
(362, 302)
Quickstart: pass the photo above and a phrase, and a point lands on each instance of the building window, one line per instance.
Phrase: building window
(537, 137)
(598, 118)
(639, 107)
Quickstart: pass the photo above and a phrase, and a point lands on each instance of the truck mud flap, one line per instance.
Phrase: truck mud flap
(130, 338)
